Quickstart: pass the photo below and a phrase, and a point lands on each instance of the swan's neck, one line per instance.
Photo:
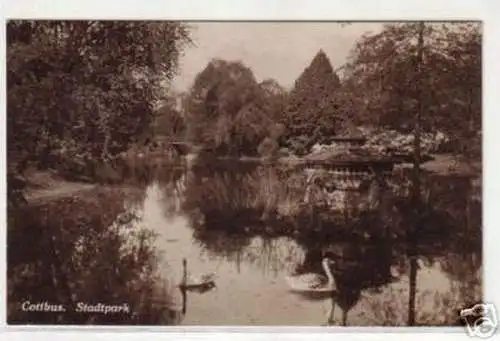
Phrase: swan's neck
(327, 271)
(184, 273)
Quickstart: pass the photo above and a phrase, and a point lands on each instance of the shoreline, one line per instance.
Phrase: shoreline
(49, 185)
(61, 190)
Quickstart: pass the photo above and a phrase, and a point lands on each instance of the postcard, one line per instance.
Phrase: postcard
(174, 173)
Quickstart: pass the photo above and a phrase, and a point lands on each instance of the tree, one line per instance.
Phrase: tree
(85, 86)
(381, 77)
(169, 120)
(311, 108)
(227, 110)
(276, 98)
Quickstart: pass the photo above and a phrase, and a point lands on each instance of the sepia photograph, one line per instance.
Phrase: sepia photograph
(231, 173)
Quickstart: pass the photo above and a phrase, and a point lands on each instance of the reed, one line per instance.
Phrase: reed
(264, 192)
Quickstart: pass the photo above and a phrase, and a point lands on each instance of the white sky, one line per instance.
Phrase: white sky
(272, 50)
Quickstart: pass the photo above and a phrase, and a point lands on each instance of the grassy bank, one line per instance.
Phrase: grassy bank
(68, 177)
(49, 185)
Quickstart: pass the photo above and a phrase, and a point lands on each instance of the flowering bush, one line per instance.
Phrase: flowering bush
(387, 142)
(394, 141)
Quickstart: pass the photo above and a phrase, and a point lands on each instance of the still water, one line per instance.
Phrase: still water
(237, 224)
(251, 289)
(251, 268)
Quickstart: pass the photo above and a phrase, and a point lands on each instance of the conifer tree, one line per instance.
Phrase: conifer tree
(311, 111)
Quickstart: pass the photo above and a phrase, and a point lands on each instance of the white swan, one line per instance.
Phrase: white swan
(200, 283)
(311, 283)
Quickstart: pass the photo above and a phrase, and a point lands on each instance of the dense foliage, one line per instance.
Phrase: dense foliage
(169, 119)
(379, 88)
(85, 89)
(114, 262)
(381, 78)
(311, 112)
(84, 92)
(228, 111)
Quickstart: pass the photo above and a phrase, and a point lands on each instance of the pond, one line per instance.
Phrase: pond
(250, 225)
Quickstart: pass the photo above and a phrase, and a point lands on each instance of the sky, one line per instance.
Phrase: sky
(272, 50)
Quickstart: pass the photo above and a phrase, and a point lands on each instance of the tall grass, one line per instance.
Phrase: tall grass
(262, 193)
(265, 198)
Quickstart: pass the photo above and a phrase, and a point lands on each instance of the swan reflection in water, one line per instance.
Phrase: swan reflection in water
(313, 286)
(189, 283)
(201, 283)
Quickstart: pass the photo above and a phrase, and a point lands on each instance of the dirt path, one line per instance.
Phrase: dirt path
(47, 185)
(64, 189)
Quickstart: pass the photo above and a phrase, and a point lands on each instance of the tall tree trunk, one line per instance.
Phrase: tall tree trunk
(416, 182)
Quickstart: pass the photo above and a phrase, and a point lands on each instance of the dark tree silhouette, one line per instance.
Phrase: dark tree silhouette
(311, 109)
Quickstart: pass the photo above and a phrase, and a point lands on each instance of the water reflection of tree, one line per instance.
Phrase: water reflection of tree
(221, 195)
(221, 243)
(434, 307)
(358, 267)
(448, 231)
(449, 213)
(456, 196)
(274, 254)
(464, 268)
(268, 254)
(265, 199)
(172, 184)
(73, 250)
(237, 199)
(242, 197)
(452, 206)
